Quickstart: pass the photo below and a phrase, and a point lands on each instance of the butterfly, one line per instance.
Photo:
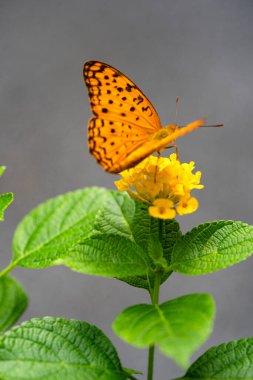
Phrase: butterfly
(125, 128)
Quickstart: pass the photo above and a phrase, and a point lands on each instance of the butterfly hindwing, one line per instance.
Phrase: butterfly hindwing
(111, 142)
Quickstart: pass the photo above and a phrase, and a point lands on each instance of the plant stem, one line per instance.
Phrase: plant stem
(7, 269)
(151, 353)
(155, 300)
(154, 295)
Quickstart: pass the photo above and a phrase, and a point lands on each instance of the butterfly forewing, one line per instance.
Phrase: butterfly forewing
(113, 95)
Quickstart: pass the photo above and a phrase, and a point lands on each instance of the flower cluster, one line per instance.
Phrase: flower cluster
(164, 183)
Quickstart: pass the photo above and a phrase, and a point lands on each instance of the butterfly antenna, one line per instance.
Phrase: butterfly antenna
(212, 125)
(176, 110)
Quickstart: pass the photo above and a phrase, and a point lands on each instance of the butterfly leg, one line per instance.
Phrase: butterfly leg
(176, 149)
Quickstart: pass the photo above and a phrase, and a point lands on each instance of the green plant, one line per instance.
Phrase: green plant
(107, 233)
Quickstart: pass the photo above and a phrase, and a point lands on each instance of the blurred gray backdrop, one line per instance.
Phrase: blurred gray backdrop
(201, 50)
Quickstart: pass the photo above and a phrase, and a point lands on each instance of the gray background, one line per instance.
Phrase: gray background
(198, 49)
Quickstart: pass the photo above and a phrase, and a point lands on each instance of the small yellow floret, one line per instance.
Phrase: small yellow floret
(187, 206)
(163, 209)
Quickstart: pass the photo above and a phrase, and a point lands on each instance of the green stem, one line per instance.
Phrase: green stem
(154, 295)
(155, 300)
(151, 354)
(7, 269)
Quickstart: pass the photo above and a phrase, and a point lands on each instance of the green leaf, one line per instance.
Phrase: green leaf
(116, 215)
(106, 255)
(49, 231)
(231, 360)
(71, 230)
(13, 302)
(121, 215)
(143, 225)
(145, 232)
(212, 246)
(132, 371)
(5, 201)
(178, 326)
(2, 170)
(58, 349)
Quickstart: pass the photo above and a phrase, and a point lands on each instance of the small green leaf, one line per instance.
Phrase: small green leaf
(5, 201)
(13, 302)
(132, 371)
(145, 230)
(143, 225)
(116, 215)
(2, 170)
(178, 326)
(212, 246)
(231, 361)
(58, 349)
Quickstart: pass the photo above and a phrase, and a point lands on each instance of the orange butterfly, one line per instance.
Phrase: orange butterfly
(125, 128)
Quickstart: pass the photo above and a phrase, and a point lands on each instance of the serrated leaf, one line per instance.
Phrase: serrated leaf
(178, 326)
(231, 360)
(58, 349)
(13, 302)
(116, 215)
(106, 255)
(145, 230)
(70, 230)
(121, 215)
(49, 231)
(125, 220)
(212, 246)
(5, 200)
(143, 225)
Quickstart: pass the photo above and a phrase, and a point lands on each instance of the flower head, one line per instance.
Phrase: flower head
(164, 183)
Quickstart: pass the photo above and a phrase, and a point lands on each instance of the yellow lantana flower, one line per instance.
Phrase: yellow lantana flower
(164, 183)
(163, 209)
